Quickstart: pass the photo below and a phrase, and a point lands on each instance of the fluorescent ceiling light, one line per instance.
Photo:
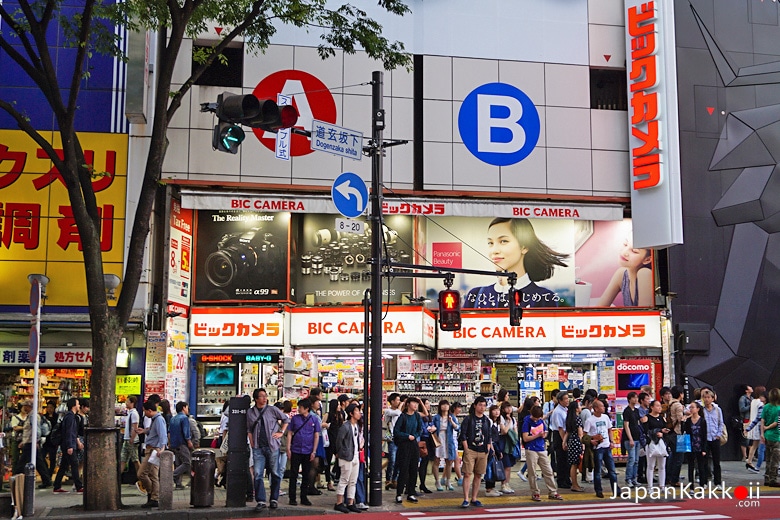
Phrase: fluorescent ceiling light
(526, 352)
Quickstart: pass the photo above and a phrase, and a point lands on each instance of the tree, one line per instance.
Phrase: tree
(345, 27)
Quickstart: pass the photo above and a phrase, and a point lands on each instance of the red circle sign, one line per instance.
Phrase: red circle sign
(311, 98)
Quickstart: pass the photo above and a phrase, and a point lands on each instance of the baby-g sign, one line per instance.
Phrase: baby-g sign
(499, 124)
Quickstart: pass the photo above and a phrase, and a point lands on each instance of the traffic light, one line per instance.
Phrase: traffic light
(233, 110)
(449, 310)
(515, 307)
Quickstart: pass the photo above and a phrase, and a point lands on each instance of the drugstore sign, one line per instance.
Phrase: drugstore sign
(346, 327)
(545, 330)
(236, 326)
(38, 232)
(47, 357)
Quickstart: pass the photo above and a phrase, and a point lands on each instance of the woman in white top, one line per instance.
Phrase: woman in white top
(754, 434)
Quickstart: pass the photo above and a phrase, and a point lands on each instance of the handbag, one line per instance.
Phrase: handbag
(435, 439)
(215, 442)
(498, 469)
(656, 449)
(325, 439)
(684, 443)
(724, 435)
(423, 445)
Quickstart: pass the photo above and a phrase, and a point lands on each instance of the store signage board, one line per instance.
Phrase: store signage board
(238, 358)
(653, 127)
(410, 206)
(282, 147)
(236, 326)
(541, 358)
(600, 330)
(345, 327)
(62, 357)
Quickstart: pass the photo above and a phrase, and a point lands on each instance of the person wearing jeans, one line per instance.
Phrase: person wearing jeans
(631, 436)
(599, 428)
(714, 418)
(264, 439)
(181, 442)
(156, 440)
(389, 419)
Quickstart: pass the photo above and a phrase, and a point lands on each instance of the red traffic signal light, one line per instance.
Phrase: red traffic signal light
(515, 298)
(256, 113)
(449, 310)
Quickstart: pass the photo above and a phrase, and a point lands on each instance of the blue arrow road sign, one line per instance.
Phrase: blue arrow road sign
(350, 194)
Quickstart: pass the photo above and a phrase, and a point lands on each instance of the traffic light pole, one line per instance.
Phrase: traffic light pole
(375, 408)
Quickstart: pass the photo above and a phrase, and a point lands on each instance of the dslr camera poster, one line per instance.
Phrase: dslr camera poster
(242, 256)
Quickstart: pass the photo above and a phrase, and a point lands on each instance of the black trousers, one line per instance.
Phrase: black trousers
(40, 463)
(300, 461)
(561, 462)
(713, 451)
(407, 459)
(642, 470)
(700, 462)
(69, 462)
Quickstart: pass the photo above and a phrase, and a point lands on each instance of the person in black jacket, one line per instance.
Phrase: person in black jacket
(696, 427)
(70, 446)
(476, 438)
(406, 435)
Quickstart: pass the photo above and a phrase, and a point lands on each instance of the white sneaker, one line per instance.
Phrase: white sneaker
(506, 489)
(361, 506)
(493, 493)
(522, 477)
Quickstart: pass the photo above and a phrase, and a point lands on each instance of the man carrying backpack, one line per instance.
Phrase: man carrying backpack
(476, 437)
(70, 445)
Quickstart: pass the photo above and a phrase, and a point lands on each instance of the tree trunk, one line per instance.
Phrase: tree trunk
(102, 490)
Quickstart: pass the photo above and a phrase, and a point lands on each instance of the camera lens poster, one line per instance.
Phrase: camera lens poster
(558, 262)
(242, 256)
(332, 266)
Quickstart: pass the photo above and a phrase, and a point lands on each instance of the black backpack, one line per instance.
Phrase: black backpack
(55, 437)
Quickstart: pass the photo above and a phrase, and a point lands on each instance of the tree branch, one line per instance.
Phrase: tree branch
(33, 133)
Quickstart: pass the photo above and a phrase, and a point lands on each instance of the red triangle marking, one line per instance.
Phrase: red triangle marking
(607, 56)
(219, 30)
(710, 110)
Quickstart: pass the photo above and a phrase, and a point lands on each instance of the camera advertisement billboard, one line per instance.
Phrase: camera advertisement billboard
(559, 262)
(242, 256)
(332, 264)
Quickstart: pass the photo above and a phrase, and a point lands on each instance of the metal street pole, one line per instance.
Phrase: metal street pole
(375, 408)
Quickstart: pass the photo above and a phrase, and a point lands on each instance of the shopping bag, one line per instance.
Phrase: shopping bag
(498, 469)
(684, 443)
(656, 449)
(325, 439)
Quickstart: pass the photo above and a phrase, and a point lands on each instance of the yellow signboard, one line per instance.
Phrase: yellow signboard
(38, 232)
(128, 385)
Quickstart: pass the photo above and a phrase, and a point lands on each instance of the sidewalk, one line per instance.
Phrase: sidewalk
(69, 506)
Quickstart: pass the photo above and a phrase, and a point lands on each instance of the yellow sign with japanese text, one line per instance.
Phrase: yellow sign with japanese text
(38, 232)
(128, 385)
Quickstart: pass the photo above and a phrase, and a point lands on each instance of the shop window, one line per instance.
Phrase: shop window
(608, 89)
(222, 73)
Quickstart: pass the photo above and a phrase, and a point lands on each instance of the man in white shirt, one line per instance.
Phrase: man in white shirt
(558, 428)
(599, 427)
(130, 444)
(389, 419)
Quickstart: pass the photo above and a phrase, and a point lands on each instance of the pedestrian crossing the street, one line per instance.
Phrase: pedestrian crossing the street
(616, 510)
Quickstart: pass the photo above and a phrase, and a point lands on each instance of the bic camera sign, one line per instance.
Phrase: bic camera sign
(499, 124)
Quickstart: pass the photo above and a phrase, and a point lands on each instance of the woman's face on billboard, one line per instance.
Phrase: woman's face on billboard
(503, 248)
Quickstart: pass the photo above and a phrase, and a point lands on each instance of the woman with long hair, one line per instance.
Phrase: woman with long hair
(447, 451)
(514, 247)
(427, 432)
(656, 429)
(754, 434)
(334, 420)
(507, 425)
(524, 412)
(572, 443)
(494, 414)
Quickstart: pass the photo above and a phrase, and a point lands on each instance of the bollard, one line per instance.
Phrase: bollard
(28, 508)
(166, 480)
(202, 483)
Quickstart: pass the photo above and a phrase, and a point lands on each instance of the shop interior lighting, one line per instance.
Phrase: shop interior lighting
(526, 352)
(122, 355)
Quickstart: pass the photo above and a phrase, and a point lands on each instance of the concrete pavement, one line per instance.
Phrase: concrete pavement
(69, 506)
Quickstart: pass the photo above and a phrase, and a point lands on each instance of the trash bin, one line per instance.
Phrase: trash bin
(202, 486)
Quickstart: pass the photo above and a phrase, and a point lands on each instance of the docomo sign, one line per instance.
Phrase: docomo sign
(315, 327)
(634, 366)
(643, 78)
(236, 326)
(545, 330)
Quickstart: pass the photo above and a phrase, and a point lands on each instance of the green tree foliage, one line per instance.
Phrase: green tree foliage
(87, 27)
